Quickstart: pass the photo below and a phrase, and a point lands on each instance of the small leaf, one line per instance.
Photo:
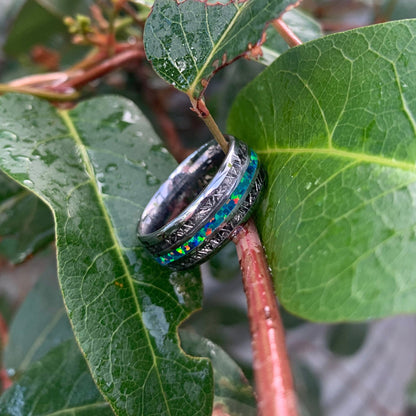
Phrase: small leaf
(308, 390)
(334, 122)
(37, 25)
(26, 223)
(97, 166)
(59, 384)
(232, 390)
(346, 339)
(188, 41)
(40, 324)
(301, 24)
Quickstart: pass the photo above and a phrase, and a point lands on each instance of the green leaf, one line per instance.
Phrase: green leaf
(334, 123)
(188, 41)
(97, 166)
(40, 324)
(308, 389)
(25, 32)
(41, 23)
(26, 224)
(62, 8)
(233, 393)
(302, 25)
(346, 339)
(43, 391)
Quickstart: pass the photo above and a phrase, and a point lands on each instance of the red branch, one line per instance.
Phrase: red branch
(286, 33)
(272, 373)
(103, 68)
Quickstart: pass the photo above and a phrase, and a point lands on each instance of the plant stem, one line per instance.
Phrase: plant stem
(203, 112)
(286, 33)
(274, 385)
(216, 132)
(42, 93)
(39, 79)
(103, 68)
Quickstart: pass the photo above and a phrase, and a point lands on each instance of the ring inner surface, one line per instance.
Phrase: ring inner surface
(181, 188)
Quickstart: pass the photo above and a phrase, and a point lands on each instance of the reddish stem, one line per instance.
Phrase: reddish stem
(272, 373)
(219, 410)
(286, 33)
(103, 68)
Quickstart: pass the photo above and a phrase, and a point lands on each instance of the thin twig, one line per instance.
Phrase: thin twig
(42, 93)
(200, 108)
(286, 33)
(103, 68)
(39, 79)
(272, 373)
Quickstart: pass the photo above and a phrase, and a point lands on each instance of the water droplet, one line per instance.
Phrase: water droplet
(28, 107)
(151, 179)
(317, 181)
(8, 135)
(11, 372)
(111, 167)
(308, 185)
(20, 158)
(100, 177)
(181, 66)
(128, 117)
(28, 183)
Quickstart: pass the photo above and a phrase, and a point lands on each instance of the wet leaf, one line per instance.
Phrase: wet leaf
(26, 223)
(59, 383)
(232, 390)
(97, 166)
(302, 25)
(187, 41)
(40, 324)
(334, 123)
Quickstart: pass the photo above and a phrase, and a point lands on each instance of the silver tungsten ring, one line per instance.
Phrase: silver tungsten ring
(206, 197)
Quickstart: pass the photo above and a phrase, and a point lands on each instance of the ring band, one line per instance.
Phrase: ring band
(196, 209)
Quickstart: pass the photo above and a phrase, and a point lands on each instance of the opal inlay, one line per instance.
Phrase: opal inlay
(219, 217)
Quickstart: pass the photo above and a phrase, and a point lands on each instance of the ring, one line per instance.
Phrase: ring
(195, 211)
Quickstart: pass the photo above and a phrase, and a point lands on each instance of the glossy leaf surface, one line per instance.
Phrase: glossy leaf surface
(334, 123)
(187, 41)
(97, 166)
(26, 223)
(43, 391)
